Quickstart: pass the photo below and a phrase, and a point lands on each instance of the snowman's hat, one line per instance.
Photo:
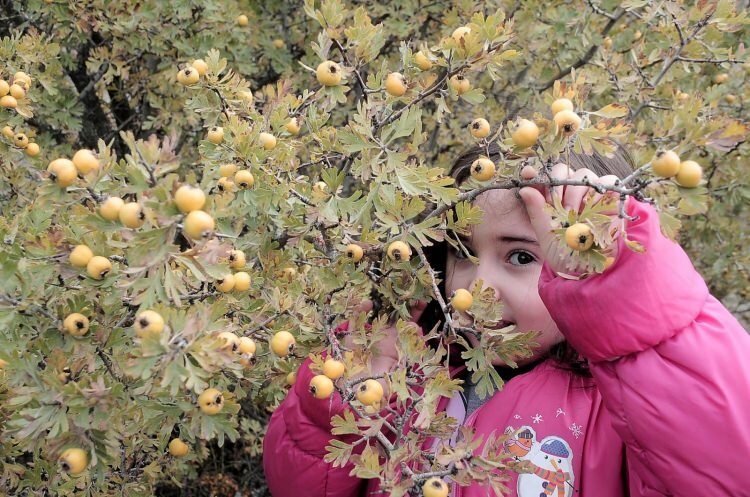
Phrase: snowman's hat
(555, 448)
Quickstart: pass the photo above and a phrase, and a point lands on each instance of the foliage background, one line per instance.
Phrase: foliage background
(104, 78)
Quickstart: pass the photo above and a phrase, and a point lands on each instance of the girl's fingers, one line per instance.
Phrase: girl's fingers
(540, 220)
(559, 171)
(574, 195)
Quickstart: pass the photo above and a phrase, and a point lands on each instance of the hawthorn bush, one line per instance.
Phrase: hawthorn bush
(195, 194)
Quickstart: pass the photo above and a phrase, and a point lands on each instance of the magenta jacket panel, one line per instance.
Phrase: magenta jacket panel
(666, 414)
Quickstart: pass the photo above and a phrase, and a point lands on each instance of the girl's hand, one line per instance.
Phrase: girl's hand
(385, 358)
(572, 197)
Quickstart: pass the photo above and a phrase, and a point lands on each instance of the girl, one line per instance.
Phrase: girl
(639, 386)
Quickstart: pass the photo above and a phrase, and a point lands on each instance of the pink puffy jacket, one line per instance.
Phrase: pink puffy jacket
(668, 415)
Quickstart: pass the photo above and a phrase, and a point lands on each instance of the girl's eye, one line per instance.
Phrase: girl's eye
(521, 258)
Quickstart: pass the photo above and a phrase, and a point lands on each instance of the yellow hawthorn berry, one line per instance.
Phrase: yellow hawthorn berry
(200, 66)
(560, 105)
(291, 378)
(231, 341)
(279, 43)
(98, 267)
(244, 179)
(227, 170)
(637, 35)
(354, 252)
(80, 256)
(479, 128)
(462, 300)
(666, 163)
(241, 281)
(370, 392)
(4, 88)
(682, 96)
(567, 122)
(73, 461)
(131, 215)
(321, 387)
(148, 323)
(242, 20)
(85, 161)
(422, 61)
(579, 237)
(216, 134)
(288, 273)
(225, 284)
(198, 224)
(76, 324)
(328, 73)
(110, 208)
(63, 172)
(689, 175)
(525, 134)
(178, 448)
(730, 98)
(21, 76)
(721, 78)
(8, 102)
(283, 343)
(399, 251)
(460, 32)
(189, 198)
(435, 487)
(188, 76)
(267, 141)
(246, 346)
(8, 132)
(395, 84)
(237, 259)
(32, 149)
(211, 401)
(20, 140)
(333, 369)
(247, 96)
(292, 126)
(17, 91)
(460, 84)
(225, 185)
(607, 43)
(482, 169)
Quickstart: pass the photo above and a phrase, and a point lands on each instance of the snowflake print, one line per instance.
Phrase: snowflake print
(537, 418)
(559, 412)
(576, 429)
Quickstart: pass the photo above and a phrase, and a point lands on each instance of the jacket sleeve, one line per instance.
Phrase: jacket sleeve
(295, 442)
(672, 364)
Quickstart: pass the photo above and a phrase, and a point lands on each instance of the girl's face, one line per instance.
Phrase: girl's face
(510, 261)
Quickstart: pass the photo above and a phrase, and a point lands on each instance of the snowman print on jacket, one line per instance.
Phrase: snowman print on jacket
(551, 462)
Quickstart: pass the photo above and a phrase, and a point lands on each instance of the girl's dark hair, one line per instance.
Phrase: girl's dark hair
(620, 164)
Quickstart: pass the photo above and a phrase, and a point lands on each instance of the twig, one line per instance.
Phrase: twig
(586, 56)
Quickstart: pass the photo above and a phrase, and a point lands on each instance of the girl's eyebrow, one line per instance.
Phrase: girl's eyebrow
(501, 238)
(516, 238)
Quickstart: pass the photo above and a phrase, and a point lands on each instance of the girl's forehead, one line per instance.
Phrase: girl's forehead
(503, 212)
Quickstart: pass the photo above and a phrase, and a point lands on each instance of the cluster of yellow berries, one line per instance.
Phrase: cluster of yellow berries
(191, 74)
(667, 164)
(20, 140)
(239, 281)
(97, 266)
(64, 171)
(11, 93)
